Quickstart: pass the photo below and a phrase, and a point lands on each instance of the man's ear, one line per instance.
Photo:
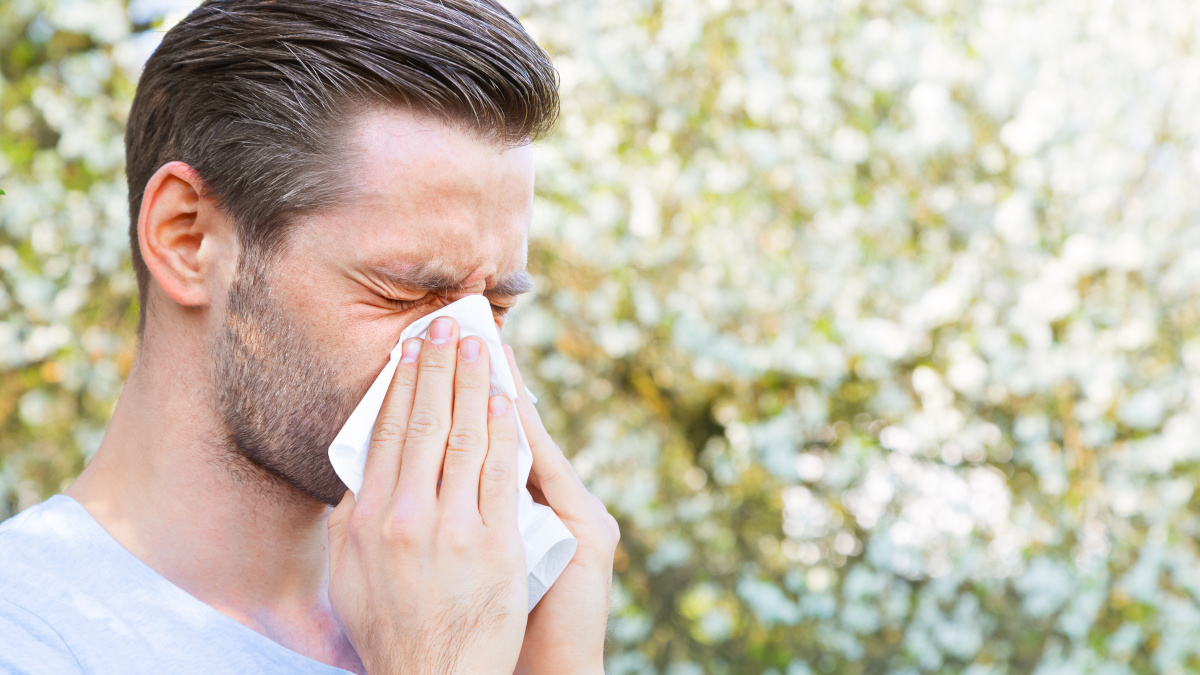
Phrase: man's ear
(182, 236)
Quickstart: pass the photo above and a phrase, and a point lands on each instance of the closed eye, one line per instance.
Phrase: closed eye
(405, 305)
(402, 305)
(499, 312)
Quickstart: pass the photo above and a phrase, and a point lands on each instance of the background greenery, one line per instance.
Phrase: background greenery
(875, 322)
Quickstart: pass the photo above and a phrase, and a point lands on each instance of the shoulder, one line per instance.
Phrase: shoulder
(71, 595)
(28, 530)
(53, 513)
(42, 548)
(39, 534)
(60, 575)
(32, 646)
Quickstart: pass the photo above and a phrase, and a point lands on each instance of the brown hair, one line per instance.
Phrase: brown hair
(254, 95)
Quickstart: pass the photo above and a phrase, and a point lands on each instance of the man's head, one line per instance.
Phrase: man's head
(309, 177)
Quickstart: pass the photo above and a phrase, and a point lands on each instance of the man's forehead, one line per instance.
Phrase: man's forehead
(434, 208)
(395, 147)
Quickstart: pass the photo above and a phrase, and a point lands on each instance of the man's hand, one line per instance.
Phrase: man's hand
(566, 630)
(429, 579)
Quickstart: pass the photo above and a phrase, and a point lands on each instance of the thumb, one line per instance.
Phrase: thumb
(339, 523)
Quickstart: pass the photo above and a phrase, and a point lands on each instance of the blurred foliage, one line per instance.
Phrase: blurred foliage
(875, 322)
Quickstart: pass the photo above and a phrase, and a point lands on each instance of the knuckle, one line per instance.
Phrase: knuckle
(457, 537)
(553, 447)
(355, 539)
(406, 375)
(364, 515)
(616, 528)
(464, 439)
(362, 530)
(425, 423)
(561, 469)
(598, 505)
(360, 522)
(388, 431)
(498, 471)
(606, 524)
(564, 464)
(398, 530)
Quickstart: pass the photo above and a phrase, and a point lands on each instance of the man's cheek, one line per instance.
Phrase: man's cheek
(356, 364)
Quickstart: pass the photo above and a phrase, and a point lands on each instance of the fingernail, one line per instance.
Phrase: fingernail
(497, 406)
(439, 332)
(410, 351)
(468, 350)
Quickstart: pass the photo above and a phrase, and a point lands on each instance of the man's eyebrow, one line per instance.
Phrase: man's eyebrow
(436, 281)
(513, 285)
(416, 277)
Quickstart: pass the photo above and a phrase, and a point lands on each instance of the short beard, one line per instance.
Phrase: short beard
(279, 399)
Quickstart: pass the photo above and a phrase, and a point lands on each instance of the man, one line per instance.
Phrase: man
(308, 177)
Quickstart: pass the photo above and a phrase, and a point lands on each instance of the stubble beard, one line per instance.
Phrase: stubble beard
(276, 393)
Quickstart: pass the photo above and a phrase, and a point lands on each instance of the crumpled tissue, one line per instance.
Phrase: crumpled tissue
(549, 545)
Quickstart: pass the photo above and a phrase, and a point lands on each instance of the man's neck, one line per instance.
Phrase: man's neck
(166, 485)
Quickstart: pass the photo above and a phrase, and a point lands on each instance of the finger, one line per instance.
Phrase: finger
(498, 479)
(536, 493)
(387, 439)
(522, 391)
(466, 446)
(525, 405)
(338, 524)
(552, 473)
(429, 423)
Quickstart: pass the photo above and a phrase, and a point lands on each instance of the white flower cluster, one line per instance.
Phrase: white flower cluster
(922, 268)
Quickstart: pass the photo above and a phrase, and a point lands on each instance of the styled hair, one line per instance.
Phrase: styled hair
(255, 96)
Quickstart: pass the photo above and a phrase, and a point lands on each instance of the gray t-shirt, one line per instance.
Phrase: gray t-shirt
(73, 600)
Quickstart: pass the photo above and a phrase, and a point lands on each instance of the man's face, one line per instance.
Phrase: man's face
(435, 214)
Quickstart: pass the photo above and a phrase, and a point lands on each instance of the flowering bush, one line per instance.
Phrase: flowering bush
(875, 322)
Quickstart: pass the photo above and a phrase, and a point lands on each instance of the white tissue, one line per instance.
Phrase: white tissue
(549, 546)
